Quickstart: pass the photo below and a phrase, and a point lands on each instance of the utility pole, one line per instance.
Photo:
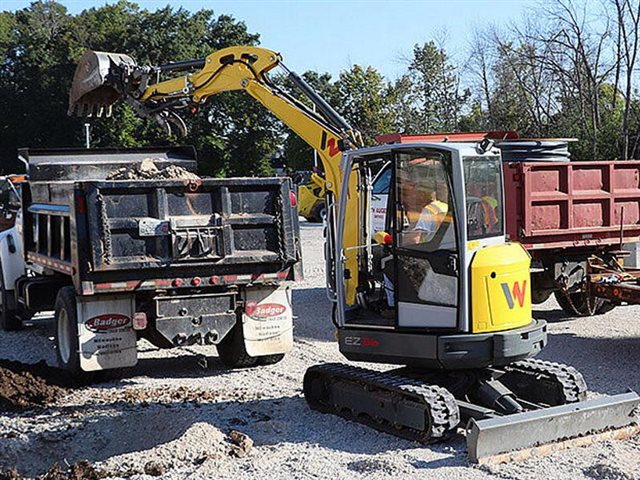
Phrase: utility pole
(315, 152)
(87, 138)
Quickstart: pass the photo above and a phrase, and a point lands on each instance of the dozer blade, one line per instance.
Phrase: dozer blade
(539, 432)
(94, 88)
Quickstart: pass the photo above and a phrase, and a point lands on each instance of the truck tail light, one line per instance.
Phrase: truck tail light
(293, 199)
(177, 282)
(195, 281)
(139, 321)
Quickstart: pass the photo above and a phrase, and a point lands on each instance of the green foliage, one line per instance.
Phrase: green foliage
(234, 135)
(437, 100)
(41, 45)
(361, 98)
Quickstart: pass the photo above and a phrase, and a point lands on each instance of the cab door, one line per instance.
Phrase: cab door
(426, 271)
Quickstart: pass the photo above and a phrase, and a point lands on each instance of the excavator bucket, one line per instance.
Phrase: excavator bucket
(539, 432)
(95, 84)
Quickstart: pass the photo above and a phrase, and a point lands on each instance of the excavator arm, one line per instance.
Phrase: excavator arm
(101, 79)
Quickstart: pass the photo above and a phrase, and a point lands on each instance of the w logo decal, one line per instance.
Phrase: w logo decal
(516, 292)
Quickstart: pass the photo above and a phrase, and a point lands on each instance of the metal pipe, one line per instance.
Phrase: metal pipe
(183, 65)
(321, 104)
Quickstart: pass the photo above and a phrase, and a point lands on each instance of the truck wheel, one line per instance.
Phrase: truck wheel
(232, 351)
(9, 319)
(67, 346)
(320, 212)
(580, 303)
(271, 359)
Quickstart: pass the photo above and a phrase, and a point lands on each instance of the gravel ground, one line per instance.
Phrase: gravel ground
(174, 414)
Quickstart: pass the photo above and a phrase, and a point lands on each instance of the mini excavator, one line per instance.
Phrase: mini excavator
(439, 292)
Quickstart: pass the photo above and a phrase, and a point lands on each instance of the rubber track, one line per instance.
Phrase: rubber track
(438, 402)
(573, 384)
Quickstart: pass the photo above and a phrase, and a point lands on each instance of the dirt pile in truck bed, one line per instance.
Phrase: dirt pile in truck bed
(24, 386)
(148, 170)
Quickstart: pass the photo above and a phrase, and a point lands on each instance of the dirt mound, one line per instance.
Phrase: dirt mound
(24, 386)
(148, 170)
(82, 470)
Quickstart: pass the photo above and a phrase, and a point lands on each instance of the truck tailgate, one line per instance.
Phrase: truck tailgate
(175, 223)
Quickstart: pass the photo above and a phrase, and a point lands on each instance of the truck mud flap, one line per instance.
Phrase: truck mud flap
(539, 432)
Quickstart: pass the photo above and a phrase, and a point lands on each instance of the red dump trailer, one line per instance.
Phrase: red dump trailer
(573, 218)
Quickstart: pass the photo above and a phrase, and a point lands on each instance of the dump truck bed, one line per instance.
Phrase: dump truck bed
(115, 235)
(572, 204)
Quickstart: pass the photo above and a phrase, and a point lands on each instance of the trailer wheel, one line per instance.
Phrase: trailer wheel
(232, 351)
(606, 306)
(581, 304)
(539, 295)
(67, 346)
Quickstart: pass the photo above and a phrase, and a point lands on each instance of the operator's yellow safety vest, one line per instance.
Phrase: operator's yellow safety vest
(432, 216)
(488, 208)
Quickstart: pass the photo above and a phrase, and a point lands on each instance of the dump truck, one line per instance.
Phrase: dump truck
(125, 244)
(573, 217)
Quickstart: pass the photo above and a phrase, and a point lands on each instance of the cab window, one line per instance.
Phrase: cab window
(483, 185)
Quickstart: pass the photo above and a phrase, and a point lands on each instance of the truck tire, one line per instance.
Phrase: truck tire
(320, 212)
(9, 319)
(67, 346)
(232, 351)
(270, 359)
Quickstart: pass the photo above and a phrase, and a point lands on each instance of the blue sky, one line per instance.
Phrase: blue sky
(331, 35)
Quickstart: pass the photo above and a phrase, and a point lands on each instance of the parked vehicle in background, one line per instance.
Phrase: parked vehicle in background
(9, 199)
(311, 198)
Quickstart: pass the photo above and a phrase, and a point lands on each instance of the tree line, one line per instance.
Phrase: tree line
(568, 71)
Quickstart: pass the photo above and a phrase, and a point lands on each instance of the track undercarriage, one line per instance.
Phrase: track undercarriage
(531, 402)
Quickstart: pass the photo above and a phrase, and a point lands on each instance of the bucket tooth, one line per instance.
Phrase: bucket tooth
(538, 432)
